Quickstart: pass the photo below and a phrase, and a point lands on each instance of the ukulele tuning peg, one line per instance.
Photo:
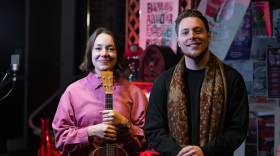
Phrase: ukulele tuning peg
(104, 77)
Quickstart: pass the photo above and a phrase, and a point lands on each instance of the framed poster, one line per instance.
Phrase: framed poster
(157, 23)
(273, 72)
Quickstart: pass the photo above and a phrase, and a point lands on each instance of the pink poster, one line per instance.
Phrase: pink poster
(261, 18)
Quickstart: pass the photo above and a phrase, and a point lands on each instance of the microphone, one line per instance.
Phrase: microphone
(14, 65)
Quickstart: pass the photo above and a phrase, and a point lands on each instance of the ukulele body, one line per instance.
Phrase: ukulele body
(101, 151)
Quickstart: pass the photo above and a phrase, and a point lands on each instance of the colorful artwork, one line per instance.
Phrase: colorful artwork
(265, 135)
(224, 19)
(276, 24)
(241, 45)
(273, 72)
(157, 23)
(261, 18)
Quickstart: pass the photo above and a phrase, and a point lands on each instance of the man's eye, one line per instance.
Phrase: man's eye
(198, 31)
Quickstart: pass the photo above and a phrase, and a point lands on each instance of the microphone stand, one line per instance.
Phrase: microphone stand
(14, 82)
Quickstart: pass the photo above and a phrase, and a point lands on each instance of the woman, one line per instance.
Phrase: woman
(81, 124)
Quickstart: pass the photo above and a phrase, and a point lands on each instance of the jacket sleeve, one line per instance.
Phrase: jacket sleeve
(236, 122)
(68, 137)
(156, 127)
(135, 138)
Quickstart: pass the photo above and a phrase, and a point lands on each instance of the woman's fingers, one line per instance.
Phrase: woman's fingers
(110, 133)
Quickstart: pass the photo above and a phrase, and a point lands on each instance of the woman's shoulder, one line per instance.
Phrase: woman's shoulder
(78, 84)
(130, 87)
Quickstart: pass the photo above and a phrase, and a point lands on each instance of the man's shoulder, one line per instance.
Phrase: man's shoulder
(232, 75)
(166, 75)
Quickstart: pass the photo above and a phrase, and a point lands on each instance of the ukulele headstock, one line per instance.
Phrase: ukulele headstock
(107, 80)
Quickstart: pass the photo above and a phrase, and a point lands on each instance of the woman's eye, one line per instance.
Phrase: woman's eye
(97, 48)
(111, 49)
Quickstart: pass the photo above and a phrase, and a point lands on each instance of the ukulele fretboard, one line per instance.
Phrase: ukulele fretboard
(108, 101)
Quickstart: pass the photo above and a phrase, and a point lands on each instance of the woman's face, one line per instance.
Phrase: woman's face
(104, 54)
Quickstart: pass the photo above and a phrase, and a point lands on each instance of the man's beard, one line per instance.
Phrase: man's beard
(196, 55)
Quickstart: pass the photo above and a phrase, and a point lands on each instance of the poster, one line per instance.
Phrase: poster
(277, 132)
(241, 45)
(245, 68)
(224, 18)
(259, 78)
(259, 45)
(251, 140)
(265, 134)
(273, 72)
(261, 18)
(276, 24)
(262, 104)
(157, 23)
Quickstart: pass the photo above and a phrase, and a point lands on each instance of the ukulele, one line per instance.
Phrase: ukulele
(109, 149)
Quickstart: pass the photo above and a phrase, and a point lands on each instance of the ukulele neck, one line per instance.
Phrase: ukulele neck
(110, 150)
(108, 101)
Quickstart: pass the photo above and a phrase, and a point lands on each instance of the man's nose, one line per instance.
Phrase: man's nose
(192, 35)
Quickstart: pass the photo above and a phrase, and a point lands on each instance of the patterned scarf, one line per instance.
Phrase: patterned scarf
(213, 102)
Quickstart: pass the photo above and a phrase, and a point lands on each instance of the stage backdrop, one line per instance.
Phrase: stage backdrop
(157, 23)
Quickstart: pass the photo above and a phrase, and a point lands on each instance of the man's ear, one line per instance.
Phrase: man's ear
(209, 37)
(178, 42)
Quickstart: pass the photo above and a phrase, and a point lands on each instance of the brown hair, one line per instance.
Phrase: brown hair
(190, 13)
(122, 61)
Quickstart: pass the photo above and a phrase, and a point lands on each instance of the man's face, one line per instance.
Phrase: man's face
(193, 38)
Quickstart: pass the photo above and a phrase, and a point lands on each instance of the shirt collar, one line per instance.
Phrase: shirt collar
(94, 80)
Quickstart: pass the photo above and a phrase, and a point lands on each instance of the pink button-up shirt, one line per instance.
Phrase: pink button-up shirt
(79, 108)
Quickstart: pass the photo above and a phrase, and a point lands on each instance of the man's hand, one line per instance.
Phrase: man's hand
(191, 151)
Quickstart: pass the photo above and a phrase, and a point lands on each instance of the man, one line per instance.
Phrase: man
(200, 106)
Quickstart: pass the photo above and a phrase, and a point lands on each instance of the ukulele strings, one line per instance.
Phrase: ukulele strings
(109, 106)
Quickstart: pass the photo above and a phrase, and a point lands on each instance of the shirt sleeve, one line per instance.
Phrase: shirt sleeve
(156, 127)
(135, 137)
(68, 137)
(236, 122)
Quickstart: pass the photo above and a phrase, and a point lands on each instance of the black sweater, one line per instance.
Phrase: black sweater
(236, 122)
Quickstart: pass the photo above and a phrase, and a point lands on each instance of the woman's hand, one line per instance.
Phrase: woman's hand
(112, 117)
(103, 131)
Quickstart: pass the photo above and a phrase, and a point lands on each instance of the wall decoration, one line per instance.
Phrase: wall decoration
(157, 23)
(224, 18)
(273, 72)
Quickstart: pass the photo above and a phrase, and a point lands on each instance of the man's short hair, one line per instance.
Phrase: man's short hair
(190, 13)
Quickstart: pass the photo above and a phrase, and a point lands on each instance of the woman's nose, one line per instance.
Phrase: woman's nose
(104, 53)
